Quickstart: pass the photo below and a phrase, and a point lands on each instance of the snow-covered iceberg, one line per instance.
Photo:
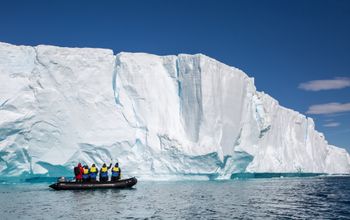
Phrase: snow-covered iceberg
(161, 117)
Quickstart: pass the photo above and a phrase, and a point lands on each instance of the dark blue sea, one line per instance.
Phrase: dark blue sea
(270, 198)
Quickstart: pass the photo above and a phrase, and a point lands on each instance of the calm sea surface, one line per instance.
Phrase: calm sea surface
(277, 198)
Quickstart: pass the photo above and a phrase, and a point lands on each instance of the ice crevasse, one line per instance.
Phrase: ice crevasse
(161, 117)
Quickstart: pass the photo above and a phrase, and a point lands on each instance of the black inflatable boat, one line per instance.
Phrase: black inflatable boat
(120, 184)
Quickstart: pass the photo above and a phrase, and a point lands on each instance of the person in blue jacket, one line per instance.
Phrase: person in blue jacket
(93, 173)
(116, 172)
(86, 176)
(104, 172)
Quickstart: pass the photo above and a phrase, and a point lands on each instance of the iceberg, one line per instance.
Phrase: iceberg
(160, 117)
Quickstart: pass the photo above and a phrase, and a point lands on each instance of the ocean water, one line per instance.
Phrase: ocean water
(276, 198)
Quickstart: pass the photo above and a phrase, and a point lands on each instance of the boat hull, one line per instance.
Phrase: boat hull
(120, 184)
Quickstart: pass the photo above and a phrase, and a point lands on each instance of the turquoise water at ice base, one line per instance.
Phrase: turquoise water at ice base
(277, 198)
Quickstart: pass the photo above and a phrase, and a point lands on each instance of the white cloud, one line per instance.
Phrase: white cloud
(329, 120)
(328, 108)
(332, 124)
(317, 85)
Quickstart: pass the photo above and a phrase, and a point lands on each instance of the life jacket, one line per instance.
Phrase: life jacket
(85, 173)
(115, 171)
(104, 172)
(93, 170)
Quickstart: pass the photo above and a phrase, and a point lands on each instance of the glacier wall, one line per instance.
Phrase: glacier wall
(161, 117)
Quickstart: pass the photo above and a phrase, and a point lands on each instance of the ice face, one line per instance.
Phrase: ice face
(161, 117)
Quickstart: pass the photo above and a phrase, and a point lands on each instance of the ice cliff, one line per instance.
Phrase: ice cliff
(162, 117)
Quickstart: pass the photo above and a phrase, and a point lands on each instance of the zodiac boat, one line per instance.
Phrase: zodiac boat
(120, 184)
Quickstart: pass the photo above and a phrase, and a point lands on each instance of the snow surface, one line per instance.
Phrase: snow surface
(161, 117)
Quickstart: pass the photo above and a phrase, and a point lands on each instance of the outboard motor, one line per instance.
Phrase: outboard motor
(61, 179)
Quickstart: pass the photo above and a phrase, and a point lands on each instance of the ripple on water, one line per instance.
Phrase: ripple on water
(296, 198)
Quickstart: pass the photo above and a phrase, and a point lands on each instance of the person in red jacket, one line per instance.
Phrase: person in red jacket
(78, 172)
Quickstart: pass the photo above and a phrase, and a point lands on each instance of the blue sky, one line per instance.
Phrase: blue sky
(297, 51)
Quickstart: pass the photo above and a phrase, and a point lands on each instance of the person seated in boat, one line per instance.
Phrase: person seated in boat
(115, 173)
(78, 173)
(93, 173)
(86, 174)
(104, 172)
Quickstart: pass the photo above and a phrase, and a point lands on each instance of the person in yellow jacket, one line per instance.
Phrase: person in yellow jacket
(116, 172)
(86, 175)
(93, 173)
(104, 172)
